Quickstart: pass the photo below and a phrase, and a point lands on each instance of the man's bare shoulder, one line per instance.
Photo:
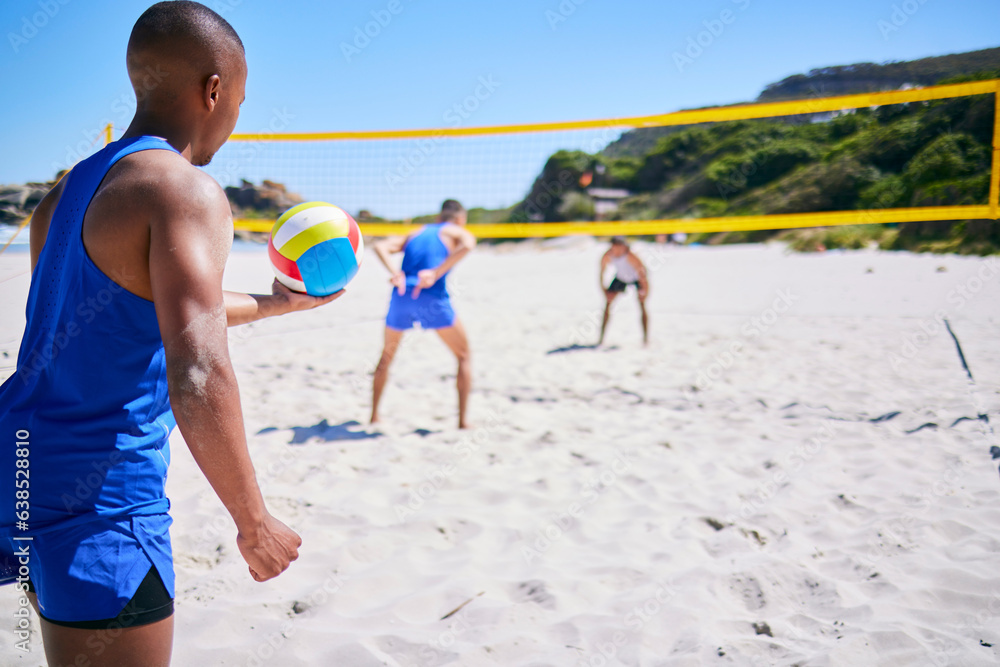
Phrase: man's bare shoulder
(457, 233)
(155, 203)
(170, 187)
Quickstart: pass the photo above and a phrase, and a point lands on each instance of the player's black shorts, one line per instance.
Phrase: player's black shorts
(618, 286)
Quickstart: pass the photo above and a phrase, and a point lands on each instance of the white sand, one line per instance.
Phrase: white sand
(608, 513)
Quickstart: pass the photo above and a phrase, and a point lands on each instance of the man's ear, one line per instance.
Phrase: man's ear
(213, 87)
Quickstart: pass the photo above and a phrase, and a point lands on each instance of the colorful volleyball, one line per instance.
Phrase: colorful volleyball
(315, 248)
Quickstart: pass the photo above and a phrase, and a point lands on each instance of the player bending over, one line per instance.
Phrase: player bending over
(629, 270)
(421, 295)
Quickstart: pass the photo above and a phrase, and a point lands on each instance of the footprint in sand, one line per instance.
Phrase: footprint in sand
(533, 591)
(749, 589)
(407, 653)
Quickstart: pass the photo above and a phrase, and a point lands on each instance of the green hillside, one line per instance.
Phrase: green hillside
(921, 154)
(832, 81)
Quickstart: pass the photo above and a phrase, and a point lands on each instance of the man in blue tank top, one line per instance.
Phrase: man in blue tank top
(126, 336)
(421, 295)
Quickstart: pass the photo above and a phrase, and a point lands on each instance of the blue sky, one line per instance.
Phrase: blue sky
(62, 62)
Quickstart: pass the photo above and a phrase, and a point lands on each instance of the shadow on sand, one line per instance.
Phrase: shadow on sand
(325, 432)
(575, 347)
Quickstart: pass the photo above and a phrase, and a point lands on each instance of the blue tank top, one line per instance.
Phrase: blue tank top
(426, 250)
(89, 394)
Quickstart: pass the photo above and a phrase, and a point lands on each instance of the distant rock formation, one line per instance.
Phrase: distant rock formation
(18, 201)
(364, 215)
(269, 199)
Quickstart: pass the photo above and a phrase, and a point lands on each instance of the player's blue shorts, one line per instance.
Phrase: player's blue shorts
(432, 311)
(90, 571)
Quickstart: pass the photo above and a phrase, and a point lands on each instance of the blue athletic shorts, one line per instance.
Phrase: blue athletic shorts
(90, 571)
(432, 311)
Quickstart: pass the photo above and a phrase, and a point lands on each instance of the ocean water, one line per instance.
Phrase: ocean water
(20, 242)
(20, 239)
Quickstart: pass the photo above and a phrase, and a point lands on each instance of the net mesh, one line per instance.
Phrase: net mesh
(402, 179)
(390, 179)
(505, 175)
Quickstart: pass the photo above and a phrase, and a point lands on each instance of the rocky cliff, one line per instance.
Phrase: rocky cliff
(267, 200)
(18, 201)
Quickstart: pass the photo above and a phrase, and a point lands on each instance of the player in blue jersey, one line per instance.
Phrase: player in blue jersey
(126, 335)
(421, 295)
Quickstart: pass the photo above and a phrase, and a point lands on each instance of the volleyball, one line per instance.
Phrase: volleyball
(315, 248)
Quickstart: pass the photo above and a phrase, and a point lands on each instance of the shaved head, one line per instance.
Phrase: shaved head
(181, 22)
(182, 56)
(185, 34)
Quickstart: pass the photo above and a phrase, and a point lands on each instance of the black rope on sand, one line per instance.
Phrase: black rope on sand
(958, 346)
(983, 416)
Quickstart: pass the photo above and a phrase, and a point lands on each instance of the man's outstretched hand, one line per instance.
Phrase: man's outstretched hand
(295, 301)
(269, 548)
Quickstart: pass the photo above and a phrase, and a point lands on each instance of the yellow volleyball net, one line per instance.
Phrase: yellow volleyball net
(393, 178)
(511, 179)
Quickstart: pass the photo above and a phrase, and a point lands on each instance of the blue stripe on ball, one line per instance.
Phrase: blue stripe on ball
(328, 266)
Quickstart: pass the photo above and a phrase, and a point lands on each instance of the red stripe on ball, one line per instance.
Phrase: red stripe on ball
(282, 263)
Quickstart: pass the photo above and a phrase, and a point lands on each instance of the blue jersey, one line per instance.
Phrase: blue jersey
(88, 399)
(426, 250)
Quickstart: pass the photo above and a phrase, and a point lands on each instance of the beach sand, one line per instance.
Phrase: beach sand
(792, 473)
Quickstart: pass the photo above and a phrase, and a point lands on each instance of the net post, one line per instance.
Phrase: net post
(995, 174)
(109, 134)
